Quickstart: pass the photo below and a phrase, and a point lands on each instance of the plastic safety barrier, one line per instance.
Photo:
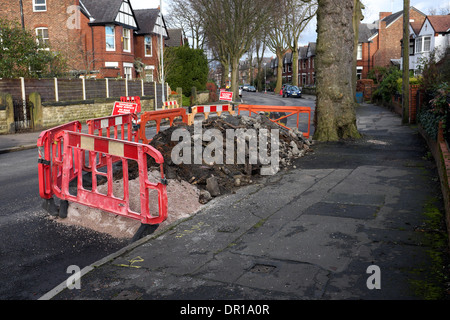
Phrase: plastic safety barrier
(75, 144)
(134, 99)
(157, 116)
(126, 123)
(206, 110)
(50, 153)
(170, 104)
(291, 110)
(123, 127)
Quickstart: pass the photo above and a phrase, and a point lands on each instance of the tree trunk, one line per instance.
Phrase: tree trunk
(234, 77)
(295, 63)
(335, 116)
(279, 72)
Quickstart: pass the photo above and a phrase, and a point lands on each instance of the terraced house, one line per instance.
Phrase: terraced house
(101, 38)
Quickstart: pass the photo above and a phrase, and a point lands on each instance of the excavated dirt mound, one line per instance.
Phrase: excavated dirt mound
(191, 185)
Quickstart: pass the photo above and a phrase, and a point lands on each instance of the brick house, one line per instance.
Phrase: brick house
(380, 41)
(306, 68)
(101, 37)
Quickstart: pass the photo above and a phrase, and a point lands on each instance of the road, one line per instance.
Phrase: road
(277, 100)
(36, 251)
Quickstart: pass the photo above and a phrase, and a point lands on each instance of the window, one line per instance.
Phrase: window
(148, 46)
(128, 70)
(39, 5)
(426, 43)
(126, 40)
(359, 52)
(303, 79)
(42, 37)
(419, 45)
(423, 44)
(110, 38)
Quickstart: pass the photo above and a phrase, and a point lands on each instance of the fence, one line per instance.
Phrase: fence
(56, 90)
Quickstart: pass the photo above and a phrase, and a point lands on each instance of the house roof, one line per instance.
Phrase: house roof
(147, 20)
(366, 31)
(440, 24)
(102, 12)
(393, 17)
(176, 38)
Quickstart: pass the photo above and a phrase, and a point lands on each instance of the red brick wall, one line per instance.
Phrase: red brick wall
(139, 46)
(389, 38)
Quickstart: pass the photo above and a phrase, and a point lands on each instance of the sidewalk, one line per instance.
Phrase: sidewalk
(313, 232)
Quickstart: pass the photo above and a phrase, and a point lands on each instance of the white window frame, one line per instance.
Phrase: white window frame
(39, 5)
(109, 36)
(419, 44)
(151, 46)
(128, 67)
(45, 40)
(359, 53)
(424, 43)
(127, 39)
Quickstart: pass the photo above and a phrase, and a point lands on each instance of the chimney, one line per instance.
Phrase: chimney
(384, 14)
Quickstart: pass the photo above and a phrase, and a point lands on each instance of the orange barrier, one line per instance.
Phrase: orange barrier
(291, 110)
(76, 144)
(170, 104)
(51, 152)
(104, 125)
(124, 122)
(206, 110)
(134, 99)
(157, 116)
(48, 150)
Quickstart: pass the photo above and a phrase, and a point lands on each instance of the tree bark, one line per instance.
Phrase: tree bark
(295, 63)
(335, 116)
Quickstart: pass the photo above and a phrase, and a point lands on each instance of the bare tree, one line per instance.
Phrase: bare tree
(335, 116)
(276, 37)
(234, 24)
(300, 14)
(183, 16)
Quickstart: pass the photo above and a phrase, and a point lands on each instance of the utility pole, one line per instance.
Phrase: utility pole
(405, 82)
(162, 54)
(21, 14)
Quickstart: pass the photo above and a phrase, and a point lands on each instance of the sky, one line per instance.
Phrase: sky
(371, 11)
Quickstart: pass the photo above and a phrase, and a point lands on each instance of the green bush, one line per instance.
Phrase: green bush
(388, 86)
(186, 68)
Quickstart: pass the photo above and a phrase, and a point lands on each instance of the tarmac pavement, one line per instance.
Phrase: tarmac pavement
(341, 225)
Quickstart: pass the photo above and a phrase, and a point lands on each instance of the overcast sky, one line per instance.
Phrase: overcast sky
(371, 11)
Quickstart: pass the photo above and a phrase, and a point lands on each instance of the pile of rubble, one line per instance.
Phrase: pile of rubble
(192, 185)
(223, 177)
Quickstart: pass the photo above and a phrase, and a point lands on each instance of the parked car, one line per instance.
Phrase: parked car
(251, 89)
(283, 87)
(292, 91)
(245, 87)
